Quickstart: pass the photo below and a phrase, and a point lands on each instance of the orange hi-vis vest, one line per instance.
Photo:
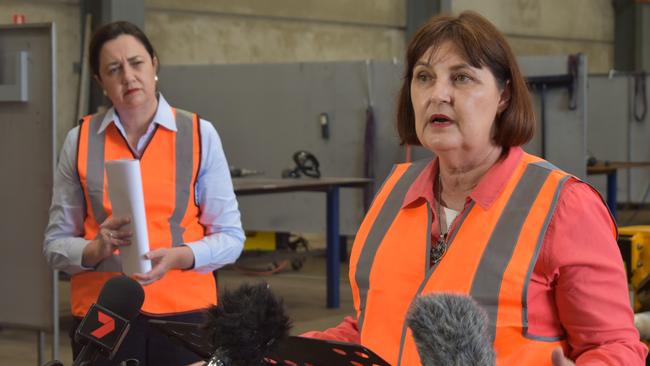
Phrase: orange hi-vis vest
(490, 256)
(169, 166)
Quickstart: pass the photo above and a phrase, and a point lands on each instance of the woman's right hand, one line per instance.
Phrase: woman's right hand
(558, 358)
(112, 235)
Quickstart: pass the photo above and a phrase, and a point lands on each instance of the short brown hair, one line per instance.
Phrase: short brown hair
(481, 44)
(109, 32)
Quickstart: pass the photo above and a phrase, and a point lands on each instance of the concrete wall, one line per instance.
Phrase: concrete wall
(252, 31)
(644, 42)
(225, 31)
(552, 27)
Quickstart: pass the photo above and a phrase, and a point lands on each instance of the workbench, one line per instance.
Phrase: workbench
(610, 168)
(330, 186)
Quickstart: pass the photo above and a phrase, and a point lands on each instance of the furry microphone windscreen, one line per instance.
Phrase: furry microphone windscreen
(247, 324)
(450, 329)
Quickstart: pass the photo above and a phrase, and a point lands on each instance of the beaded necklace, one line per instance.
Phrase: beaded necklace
(438, 251)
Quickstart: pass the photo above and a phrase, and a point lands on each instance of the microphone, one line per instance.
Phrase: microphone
(107, 321)
(450, 329)
(246, 325)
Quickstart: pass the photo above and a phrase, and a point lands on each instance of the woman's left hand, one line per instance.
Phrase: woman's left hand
(164, 259)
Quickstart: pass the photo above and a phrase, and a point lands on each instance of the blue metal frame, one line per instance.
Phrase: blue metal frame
(611, 192)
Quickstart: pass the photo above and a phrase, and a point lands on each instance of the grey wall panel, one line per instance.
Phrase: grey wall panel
(264, 113)
(639, 145)
(565, 128)
(386, 81)
(615, 135)
(607, 135)
(26, 159)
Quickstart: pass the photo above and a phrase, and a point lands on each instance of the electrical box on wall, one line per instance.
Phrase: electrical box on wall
(13, 77)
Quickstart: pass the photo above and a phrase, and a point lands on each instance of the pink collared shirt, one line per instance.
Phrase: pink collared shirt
(578, 288)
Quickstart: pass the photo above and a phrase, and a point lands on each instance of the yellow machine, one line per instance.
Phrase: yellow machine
(260, 240)
(267, 252)
(634, 242)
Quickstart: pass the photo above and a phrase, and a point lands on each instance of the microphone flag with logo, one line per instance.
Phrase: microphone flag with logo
(107, 321)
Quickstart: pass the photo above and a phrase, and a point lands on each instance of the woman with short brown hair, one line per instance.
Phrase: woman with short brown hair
(480, 44)
(534, 246)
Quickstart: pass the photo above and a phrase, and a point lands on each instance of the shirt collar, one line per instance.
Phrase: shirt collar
(484, 194)
(422, 187)
(164, 117)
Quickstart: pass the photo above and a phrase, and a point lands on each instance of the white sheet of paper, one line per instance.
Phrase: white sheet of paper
(125, 193)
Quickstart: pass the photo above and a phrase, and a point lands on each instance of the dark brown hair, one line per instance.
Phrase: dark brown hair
(109, 32)
(480, 44)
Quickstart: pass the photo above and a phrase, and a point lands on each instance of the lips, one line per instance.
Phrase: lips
(440, 119)
(131, 91)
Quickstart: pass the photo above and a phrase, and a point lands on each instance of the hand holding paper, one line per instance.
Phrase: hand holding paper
(163, 260)
(125, 193)
(114, 233)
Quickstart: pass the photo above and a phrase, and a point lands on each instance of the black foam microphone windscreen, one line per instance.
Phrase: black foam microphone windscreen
(246, 325)
(107, 321)
(450, 329)
(122, 295)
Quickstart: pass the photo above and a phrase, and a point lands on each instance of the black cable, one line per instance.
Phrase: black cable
(573, 86)
(640, 96)
(368, 157)
(543, 120)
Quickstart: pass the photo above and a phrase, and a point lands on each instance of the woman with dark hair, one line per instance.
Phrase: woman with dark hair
(534, 246)
(193, 221)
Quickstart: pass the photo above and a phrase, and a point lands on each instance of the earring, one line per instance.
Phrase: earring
(104, 92)
(155, 77)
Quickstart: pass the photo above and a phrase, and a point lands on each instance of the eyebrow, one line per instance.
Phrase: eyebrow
(461, 66)
(130, 59)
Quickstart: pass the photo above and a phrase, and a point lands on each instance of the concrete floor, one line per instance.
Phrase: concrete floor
(303, 292)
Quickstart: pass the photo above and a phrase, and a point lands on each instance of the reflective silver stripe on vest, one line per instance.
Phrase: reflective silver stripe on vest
(95, 168)
(428, 271)
(533, 261)
(503, 240)
(386, 215)
(184, 170)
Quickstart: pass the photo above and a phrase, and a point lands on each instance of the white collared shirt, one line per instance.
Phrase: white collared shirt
(224, 240)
